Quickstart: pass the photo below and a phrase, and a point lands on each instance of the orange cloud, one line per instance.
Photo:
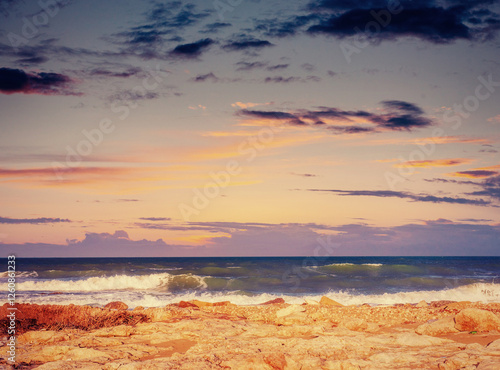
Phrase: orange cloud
(434, 163)
(431, 140)
(478, 173)
(248, 105)
(495, 119)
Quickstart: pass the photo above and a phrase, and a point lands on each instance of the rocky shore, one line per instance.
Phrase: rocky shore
(201, 335)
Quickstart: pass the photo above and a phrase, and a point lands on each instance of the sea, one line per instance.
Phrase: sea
(156, 282)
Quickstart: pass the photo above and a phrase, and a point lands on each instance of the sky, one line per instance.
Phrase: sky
(249, 128)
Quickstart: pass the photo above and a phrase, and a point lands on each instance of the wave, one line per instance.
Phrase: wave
(477, 292)
(19, 274)
(162, 282)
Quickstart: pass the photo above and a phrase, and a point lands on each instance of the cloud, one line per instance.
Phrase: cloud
(303, 174)
(17, 81)
(475, 174)
(205, 77)
(282, 79)
(438, 237)
(129, 72)
(495, 119)
(192, 50)
(215, 27)
(164, 23)
(431, 21)
(155, 219)
(398, 116)
(491, 188)
(247, 44)
(248, 66)
(33, 221)
(434, 163)
(406, 195)
(277, 67)
(426, 20)
(248, 105)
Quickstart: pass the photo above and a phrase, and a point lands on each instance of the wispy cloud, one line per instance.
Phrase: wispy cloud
(434, 163)
(33, 221)
(398, 116)
(405, 195)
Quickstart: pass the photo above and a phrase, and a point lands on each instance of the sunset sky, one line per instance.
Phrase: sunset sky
(249, 128)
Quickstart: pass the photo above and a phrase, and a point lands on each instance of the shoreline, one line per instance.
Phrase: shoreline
(276, 335)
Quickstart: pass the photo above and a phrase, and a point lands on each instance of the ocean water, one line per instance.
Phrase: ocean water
(155, 282)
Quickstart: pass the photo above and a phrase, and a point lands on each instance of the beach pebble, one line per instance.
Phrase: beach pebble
(474, 319)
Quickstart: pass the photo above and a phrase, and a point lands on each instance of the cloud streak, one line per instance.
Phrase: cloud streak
(32, 221)
(398, 116)
(406, 195)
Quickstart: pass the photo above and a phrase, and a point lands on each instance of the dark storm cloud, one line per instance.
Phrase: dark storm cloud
(193, 49)
(405, 195)
(431, 21)
(247, 44)
(14, 81)
(33, 221)
(399, 116)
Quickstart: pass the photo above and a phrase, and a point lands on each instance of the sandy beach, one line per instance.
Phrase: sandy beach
(202, 335)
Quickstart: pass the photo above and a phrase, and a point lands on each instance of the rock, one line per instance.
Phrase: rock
(354, 323)
(184, 304)
(275, 360)
(329, 302)
(274, 301)
(79, 354)
(440, 303)
(138, 308)
(488, 365)
(311, 302)
(224, 303)
(200, 304)
(294, 308)
(443, 326)
(37, 336)
(115, 331)
(474, 319)
(415, 340)
(495, 345)
(117, 305)
(421, 304)
(67, 365)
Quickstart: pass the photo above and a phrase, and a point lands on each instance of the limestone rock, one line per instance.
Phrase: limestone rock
(329, 302)
(354, 323)
(421, 304)
(474, 319)
(443, 326)
(274, 301)
(117, 305)
(115, 331)
(78, 354)
(294, 308)
(311, 302)
(495, 345)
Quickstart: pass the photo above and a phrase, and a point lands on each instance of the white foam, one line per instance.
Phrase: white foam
(117, 282)
(479, 292)
(19, 274)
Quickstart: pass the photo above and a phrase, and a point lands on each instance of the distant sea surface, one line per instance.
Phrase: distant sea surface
(154, 282)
